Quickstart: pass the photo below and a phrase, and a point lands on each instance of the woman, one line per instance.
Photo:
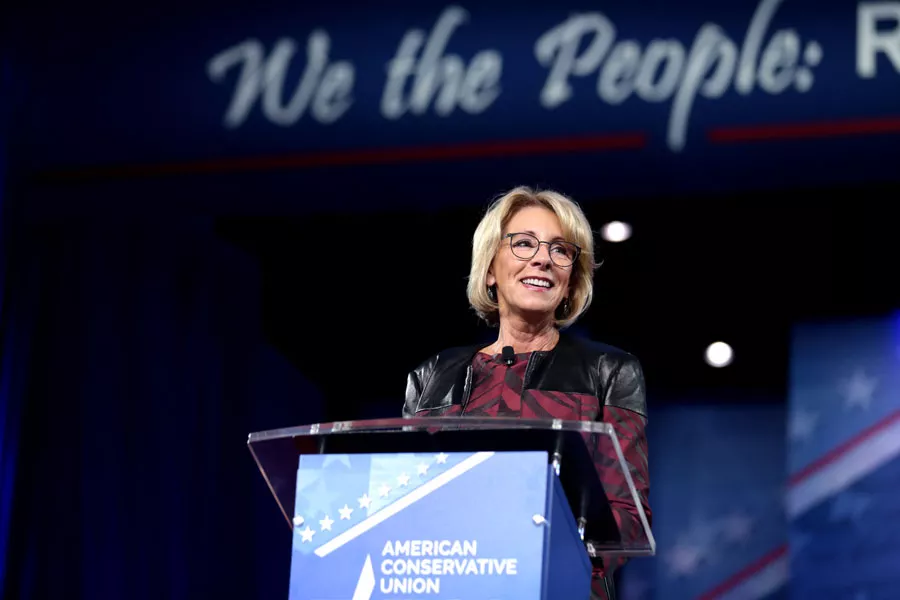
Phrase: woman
(532, 276)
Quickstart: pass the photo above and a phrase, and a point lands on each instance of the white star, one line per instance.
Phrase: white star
(345, 512)
(384, 490)
(403, 480)
(339, 458)
(635, 589)
(849, 506)
(799, 541)
(365, 501)
(423, 469)
(803, 424)
(307, 534)
(298, 521)
(441, 458)
(858, 389)
(737, 527)
(684, 559)
(326, 523)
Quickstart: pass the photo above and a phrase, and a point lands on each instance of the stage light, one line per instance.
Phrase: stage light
(719, 354)
(616, 231)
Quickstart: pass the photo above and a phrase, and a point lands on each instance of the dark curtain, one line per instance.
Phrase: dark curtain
(147, 370)
(11, 350)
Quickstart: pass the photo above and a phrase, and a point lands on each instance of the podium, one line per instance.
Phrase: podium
(450, 508)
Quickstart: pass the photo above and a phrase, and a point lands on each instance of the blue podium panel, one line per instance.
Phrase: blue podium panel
(453, 525)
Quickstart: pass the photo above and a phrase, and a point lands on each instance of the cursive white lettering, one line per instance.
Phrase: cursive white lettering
(426, 77)
(438, 78)
(665, 55)
(325, 87)
(559, 47)
(663, 70)
(710, 68)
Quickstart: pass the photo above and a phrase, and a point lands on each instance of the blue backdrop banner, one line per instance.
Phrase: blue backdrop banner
(701, 95)
(718, 476)
(845, 459)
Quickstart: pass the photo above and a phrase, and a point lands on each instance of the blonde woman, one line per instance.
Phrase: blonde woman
(531, 277)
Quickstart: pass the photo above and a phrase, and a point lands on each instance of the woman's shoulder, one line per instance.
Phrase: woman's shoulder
(592, 348)
(621, 376)
(448, 357)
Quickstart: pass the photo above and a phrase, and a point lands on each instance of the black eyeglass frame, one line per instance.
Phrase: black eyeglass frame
(538, 248)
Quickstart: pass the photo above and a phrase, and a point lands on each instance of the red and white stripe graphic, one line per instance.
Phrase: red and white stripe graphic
(824, 478)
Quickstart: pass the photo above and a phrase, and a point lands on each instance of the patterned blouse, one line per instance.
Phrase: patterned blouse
(497, 392)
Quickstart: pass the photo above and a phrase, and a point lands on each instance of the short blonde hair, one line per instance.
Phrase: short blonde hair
(488, 236)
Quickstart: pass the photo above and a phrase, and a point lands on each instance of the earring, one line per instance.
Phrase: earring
(564, 309)
(492, 293)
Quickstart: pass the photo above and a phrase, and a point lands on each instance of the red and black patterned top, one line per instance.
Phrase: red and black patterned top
(497, 391)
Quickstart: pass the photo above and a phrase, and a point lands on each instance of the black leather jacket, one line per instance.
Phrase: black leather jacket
(575, 365)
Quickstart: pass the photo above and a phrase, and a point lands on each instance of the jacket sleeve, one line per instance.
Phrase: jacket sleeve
(413, 392)
(415, 384)
(625, 409)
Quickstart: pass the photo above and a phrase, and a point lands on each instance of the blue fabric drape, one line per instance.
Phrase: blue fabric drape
(147, 371)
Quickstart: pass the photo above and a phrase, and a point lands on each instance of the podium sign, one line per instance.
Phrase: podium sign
(446, 508)
(448, 525)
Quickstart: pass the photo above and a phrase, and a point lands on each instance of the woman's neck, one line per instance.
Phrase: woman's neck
(525, 337)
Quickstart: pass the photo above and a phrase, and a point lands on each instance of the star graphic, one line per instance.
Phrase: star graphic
(365, 501)
(345, 512)
(684, 559)
(799, 542)
(636, 589)
(336, 458)
(858, 389)
(441, 458)
(307, 534)
(802, 424)
(319, 500)
(423, 469)
(737, 527)
(849, 506)
(298, 521)
(403, 480)
(326, 523)
(384, 490)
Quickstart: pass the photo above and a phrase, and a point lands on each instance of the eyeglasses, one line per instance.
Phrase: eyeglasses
(526, 246)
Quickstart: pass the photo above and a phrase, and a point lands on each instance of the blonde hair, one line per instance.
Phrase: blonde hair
(488, 235)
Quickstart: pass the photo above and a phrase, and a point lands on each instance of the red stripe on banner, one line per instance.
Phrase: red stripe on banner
(744, 574)
(822, 129)
(836, 452)
(377, 156)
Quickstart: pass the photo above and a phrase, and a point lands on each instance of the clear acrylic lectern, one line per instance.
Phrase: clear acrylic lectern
(440, 491)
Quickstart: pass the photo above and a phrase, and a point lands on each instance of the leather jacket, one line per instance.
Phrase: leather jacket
(574, 365)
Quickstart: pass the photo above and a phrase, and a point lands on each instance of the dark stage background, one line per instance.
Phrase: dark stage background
(171, 283)
(154, 347)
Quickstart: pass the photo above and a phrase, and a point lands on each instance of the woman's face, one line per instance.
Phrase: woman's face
(531, 287)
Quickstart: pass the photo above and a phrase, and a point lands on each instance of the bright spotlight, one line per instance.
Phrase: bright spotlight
(616, 231)
(719, 354)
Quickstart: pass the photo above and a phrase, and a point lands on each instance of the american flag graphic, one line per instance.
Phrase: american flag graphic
(336, 493)
(844, 460)
(717, 489)
(765, 502)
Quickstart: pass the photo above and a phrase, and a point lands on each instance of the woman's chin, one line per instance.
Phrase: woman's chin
(535, 311)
